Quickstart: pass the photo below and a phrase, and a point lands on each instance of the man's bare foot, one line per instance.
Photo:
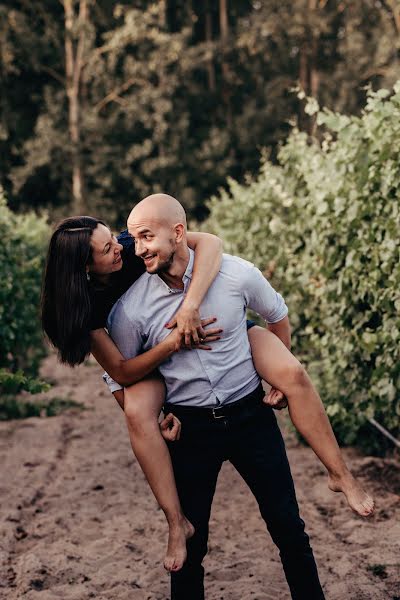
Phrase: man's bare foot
(356, 496)
(176, 550)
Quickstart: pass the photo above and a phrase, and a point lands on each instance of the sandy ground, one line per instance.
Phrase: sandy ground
(78, 520)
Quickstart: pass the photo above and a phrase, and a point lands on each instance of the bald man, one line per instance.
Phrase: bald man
(216, 395)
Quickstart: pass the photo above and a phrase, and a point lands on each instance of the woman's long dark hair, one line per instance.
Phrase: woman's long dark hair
(66, 306)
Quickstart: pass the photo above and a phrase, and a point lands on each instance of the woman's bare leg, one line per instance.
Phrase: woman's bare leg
(277, 366)
(142, 405)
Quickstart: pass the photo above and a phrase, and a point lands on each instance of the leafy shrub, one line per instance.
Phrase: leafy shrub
(324, 225)
(21, 408)
(23, 239)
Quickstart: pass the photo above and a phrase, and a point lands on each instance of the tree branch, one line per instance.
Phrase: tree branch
(394, 7)
(82, 19)
(114, 95)
(54, 74)
(376, 71)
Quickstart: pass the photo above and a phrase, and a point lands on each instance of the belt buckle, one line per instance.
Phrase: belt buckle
(215, 415)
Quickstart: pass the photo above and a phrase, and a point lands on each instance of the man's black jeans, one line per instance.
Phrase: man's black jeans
(249, 437)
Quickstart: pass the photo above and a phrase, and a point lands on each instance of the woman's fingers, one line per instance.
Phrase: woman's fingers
(171, 324)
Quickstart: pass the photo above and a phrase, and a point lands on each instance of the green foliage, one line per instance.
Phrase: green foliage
(323, 224)
(18, 408)
(13, 383)
(170, 98)
(22, 250)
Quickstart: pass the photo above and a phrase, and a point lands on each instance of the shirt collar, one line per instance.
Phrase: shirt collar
(189, 269)
(187, 276)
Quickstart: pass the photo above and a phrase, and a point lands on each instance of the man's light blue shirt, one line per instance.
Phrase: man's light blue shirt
(198, 377)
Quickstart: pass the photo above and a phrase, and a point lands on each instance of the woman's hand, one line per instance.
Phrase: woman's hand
(189, 325)
(177, 342)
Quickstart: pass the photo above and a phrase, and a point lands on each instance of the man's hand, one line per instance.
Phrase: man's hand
(170, 428)
(190, 326)
(275, 399)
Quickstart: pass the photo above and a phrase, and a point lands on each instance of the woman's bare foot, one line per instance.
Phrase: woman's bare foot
(356, 496)
(176, 550)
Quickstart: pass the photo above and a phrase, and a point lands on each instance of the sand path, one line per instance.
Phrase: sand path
(78, 520)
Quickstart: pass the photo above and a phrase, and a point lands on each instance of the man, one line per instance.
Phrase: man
(217, 396)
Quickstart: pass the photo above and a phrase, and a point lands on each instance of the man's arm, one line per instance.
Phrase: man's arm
(261, 297)
(282, 330)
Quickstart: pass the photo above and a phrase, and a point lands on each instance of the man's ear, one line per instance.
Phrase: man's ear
(179, 229)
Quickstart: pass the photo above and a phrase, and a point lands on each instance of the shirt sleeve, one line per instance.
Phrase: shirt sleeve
(126, 335)
(261, 297)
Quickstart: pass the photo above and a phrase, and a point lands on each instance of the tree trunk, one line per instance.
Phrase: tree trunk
(308, 71)
(314, 74)
(208, 35)
(73, 71)
(395, 8)
(223, 19)
(224, 31)
(303, 68)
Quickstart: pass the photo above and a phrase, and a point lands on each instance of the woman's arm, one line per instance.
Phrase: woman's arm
(207, 263)
(129, 371)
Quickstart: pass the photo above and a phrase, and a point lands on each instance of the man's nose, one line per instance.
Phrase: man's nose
(119, 247)
(139, 248)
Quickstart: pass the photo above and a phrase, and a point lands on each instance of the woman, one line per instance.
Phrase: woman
(85, 274)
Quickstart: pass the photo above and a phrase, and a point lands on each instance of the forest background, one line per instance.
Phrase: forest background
(105, 102)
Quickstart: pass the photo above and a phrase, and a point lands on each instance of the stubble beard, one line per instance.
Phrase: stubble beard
(165, 265)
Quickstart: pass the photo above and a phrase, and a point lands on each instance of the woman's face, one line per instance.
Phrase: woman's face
(106, 252)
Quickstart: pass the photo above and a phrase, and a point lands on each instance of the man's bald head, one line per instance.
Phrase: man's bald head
(160, 208)
(158, 225)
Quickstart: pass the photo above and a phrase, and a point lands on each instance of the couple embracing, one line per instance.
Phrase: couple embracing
(164, 313)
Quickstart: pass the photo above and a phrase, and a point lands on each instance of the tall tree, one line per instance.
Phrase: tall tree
(106, 102)
(75, 36)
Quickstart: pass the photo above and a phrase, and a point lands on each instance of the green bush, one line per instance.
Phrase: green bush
(23, 239)
(21, 408)
(324, 226)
